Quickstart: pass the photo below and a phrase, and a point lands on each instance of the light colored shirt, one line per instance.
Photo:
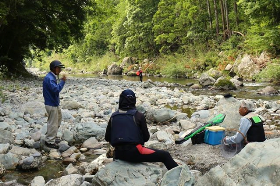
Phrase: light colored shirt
(245, 124)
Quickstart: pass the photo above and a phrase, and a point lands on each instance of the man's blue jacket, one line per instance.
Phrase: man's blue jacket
(51, 89)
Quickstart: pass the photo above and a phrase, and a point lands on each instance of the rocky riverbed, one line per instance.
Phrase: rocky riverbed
(87, 104)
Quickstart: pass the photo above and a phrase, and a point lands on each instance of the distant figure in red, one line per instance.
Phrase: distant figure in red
(140, 73)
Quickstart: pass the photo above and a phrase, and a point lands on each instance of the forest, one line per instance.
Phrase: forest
(177, 37)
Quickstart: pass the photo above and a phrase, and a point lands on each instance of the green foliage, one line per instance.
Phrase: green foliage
(263, 39)
(93, 64)
(263, 33)
(173, 66)
(132, 32)
(175, 33)
(271, 72)
(40, 23)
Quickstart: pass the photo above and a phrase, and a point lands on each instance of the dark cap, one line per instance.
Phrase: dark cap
(56, 63)
(128, 93)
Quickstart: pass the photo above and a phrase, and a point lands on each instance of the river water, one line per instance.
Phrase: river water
(248, 91)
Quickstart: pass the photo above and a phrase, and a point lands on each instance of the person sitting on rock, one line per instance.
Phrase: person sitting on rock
(251, 126)
(127, 131)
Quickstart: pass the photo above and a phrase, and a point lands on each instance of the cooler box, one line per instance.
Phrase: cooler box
(214, 135)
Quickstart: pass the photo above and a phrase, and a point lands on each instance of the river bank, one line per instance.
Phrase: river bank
(86, 107)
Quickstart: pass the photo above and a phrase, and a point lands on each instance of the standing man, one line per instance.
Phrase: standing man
(140, 74)
(51, 90)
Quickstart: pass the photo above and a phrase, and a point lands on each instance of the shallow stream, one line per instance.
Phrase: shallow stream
(248, 91)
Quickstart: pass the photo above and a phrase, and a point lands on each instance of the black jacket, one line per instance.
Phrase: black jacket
(140, 121)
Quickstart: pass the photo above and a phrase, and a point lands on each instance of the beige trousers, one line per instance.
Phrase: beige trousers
(54, 121)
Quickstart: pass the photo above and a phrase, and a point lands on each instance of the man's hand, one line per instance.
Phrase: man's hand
(63, 77)
(224, 140)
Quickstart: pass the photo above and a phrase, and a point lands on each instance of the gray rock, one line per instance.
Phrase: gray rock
(4, 148)
(68, 136)
(230, 107)
(23, 151)
(236, 82)
(5, 126)
(247, 67)
(70, 169)
(136, 174)
(163, 115)
(70, 105)
(180, 175)
(2, 170)
(256, 164)
(69, 152)
(6, 137)
(28, 161)
(37, 145)
(29, 143)
(35, 108)
(36, 136)
(9, 160)
(114, 69)
(86, 130)
(69, 180)
(63, 147)
(206, 80)
(85, 183)
(38, 181)
(91, 143)
(186, 124)
(269, 90)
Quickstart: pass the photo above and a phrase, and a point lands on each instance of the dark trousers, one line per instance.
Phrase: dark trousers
(141, 77)
(133, 155)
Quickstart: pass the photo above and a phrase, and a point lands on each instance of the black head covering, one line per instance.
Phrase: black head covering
(127, 100)
(56, 63)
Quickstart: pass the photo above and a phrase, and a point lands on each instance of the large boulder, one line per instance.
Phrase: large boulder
(230, 107)
(206, 80)
(180, 175)
(127, 61)
(126, 174)
(163, 115)
(247, 68)
(114, 69)
(256, 164)
(84, 131)
(268, 90)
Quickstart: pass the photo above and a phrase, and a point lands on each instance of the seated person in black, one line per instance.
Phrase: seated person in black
(127, 131)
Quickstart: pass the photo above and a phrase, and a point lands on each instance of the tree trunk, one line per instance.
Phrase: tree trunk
(209, 13)
(226, 15)
(216, 17)
(236, 14)
(223, 14)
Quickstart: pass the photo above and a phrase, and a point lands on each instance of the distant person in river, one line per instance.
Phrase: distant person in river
(140, 74)
(250, 129)
(127, 131)
(51, 90)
